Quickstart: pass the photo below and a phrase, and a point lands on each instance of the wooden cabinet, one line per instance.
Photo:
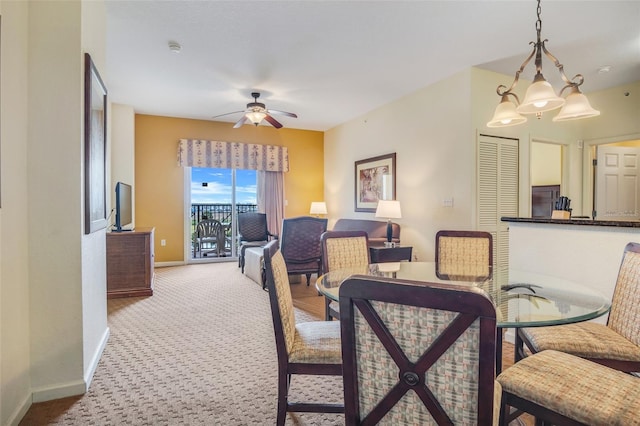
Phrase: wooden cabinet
(130, 263)
(390, 254)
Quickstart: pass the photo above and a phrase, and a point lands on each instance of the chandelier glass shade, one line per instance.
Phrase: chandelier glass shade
(256, 116)
(540, 95)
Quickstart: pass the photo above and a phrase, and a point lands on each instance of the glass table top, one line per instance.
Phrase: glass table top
(522, 299)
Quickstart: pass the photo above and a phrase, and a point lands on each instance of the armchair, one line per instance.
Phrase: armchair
(300, 245)
(252, 232)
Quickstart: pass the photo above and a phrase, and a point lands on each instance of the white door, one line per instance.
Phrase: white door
(497, 191)
(617, 183)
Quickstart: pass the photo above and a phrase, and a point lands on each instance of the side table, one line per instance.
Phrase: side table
(390, 254)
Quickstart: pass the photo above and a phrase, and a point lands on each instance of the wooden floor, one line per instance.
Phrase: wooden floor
(307, 299)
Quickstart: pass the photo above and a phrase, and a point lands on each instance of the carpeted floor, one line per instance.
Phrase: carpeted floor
(200, 351)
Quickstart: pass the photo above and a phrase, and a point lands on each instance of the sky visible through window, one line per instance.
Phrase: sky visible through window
(219, 188)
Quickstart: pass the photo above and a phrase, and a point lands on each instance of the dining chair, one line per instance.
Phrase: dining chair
(342, 250)
(464, 255)
(616, 344)
(310, 348)
(562, 389)
(417, 353)
(300, 245)
(252, 232)
(209, 232)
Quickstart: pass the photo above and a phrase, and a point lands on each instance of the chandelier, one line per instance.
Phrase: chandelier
(540, 95)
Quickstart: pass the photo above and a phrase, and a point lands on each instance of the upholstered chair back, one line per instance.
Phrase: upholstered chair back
(252, 226)
(624, 317)
(464, 255)
(417, 353)
(284, 321)
(344, 249)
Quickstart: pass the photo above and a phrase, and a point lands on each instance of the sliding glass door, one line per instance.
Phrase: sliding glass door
(216, 198)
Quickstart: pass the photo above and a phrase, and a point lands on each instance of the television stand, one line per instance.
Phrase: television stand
(130, 263)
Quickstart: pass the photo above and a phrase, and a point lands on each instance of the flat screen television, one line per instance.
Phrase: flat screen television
(123, 207)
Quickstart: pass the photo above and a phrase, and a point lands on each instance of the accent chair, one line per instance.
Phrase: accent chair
(300, 245)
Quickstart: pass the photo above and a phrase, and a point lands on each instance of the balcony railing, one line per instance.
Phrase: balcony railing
(220, 212)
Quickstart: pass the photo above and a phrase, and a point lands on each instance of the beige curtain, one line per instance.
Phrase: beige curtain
(232, 155)
(271, 198)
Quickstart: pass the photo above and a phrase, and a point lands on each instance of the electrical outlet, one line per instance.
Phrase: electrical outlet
(447, 202)
(163, 243)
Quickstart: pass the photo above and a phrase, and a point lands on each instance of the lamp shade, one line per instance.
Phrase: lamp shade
(540, 97)
(256, 117)
(576, 106)
(318, 207)
(389, 209)
(506, 115)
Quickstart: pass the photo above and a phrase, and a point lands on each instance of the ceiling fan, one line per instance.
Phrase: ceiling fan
(256, 112)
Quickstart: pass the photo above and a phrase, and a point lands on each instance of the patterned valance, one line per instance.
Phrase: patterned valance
(232, 155)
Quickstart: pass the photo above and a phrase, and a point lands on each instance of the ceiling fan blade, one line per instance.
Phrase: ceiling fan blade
(273, 121)
(228, 113)
(288, 114)
(240, 122)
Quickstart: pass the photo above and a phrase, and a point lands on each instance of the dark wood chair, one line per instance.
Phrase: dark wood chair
(616, 344)
(464, 255)
(300, 245)
(342, 250)
(252, 232)
(303, 348)
(417, 353)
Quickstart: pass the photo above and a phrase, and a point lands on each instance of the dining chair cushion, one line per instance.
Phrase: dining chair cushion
(317, 342)
(586, 339)
(579, 389)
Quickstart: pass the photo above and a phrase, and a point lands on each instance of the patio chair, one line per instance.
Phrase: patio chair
(303, 348)
(252, 232)
(616, 344)
(209, 236)
(300, 245)
(464, 255)
(417, 353)
(341, 250)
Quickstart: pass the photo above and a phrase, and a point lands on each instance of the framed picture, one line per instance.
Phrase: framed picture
(95, 148)
(375, 180)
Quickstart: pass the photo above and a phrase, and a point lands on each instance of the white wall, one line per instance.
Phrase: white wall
(52, 276)
(122, 151)
(546, 164)
(15, 360)
(434, 132)
(422, 129)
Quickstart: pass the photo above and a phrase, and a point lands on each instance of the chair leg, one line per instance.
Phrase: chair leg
(283, 390)
(327, 316)
(308, 279)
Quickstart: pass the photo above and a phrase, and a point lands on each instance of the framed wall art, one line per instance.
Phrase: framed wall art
(95, 148)
(375, 180)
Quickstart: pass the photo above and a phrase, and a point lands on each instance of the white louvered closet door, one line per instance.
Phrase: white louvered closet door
(497, 192)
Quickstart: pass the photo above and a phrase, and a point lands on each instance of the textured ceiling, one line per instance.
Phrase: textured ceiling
(331, 61)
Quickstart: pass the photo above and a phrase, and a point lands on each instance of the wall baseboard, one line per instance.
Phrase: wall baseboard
(20, 411)
(166, 264)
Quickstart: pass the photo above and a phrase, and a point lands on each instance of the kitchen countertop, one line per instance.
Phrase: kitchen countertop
(578, 222)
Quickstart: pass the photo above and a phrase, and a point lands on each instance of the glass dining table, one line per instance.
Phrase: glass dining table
(522, 299)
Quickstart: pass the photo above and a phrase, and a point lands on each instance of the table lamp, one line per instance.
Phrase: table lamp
(391, 210)
(318, 208)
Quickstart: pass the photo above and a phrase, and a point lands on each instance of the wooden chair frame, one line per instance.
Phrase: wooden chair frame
(616, 364)
(471, 303)
(286, 368)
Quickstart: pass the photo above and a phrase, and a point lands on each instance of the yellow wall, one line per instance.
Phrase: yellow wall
(159, 184)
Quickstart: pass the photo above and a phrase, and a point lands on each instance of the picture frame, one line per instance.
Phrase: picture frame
(95, 148)
(375, 179)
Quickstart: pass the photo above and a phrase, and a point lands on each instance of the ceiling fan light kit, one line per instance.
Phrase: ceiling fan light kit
(540, 95)
(256, 112)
